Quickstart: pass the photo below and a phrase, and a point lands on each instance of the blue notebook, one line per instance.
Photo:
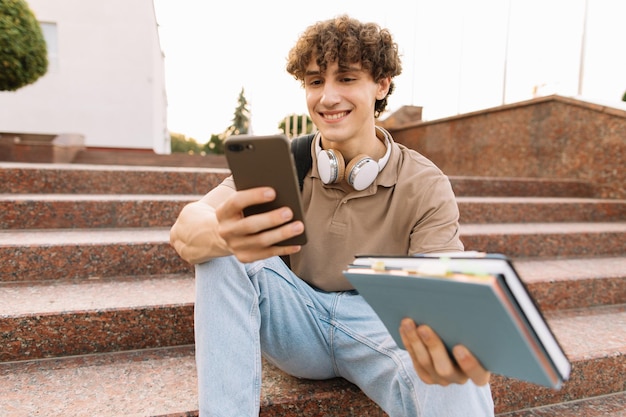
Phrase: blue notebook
(468, 298)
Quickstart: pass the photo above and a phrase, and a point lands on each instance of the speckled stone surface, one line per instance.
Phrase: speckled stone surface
(162, 381)
(99, 179)
(141, 383)
(57, 211)
(547, 137)
(285, 396)
(87, 269)
(68, 211)
(157, 382)
(31, 255)
(61, 318)
(604, 406)
(539, 210)
(595, 342)
(574, 283)
(498, 186)
(75, 179)
(546, 239)
(56, 254)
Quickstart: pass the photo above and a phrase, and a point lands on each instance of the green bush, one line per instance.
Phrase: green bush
(183, 144)
(23, 53)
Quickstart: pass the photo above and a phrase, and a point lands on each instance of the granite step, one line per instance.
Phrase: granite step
(572, 239)
(157, 382)
(27, 178)
(51, 254)
(94, 289)
(162, 381)
(143, 158)
(64, 318)
(612, 405)
(539, 209)
(59, 211)
(95, 211)
(594, 341)
(33, 255)
(71, 317)
(520, 187)
(143, 383)
(24, 178)
(569, 283)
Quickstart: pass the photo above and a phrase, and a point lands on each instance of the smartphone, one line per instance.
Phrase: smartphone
(257, 161)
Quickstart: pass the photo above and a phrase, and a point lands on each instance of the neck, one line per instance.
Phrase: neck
(373, 144)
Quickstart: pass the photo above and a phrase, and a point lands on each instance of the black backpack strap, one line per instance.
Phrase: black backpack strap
(301, 149)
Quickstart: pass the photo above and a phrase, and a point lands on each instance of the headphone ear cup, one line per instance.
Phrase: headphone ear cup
(331, 166)
(361, 172)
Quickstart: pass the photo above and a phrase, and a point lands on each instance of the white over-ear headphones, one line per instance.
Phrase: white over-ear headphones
(360, 172)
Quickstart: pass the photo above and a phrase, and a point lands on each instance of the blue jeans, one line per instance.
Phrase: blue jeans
(243, 311)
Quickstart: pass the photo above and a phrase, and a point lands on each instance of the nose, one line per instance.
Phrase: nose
(330, 94)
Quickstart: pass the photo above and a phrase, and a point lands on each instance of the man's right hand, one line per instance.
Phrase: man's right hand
(215, 226)
(255, 237)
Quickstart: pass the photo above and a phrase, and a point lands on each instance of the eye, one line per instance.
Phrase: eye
(313, 82)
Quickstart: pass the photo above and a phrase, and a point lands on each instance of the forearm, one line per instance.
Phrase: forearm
(195, 236)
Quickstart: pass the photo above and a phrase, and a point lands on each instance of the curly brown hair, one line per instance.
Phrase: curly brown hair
(347, 41)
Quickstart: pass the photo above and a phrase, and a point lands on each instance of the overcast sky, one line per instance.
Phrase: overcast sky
(458, 55)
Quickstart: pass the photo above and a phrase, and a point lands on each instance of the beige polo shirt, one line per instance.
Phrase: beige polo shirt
(410, 208)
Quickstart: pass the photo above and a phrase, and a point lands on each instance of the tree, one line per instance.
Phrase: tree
(183, 144)
(241, 119)
(240, 126)
(23, 52)
(624, 96)
(214, 145)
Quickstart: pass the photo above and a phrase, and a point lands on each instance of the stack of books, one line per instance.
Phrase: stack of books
(470, 298)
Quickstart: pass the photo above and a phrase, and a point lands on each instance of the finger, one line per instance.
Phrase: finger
(444, 367)
(233, 224)
(417, 351)
(256, 237)
(265, 229)
(234, 205)
(470, 365)
(264, 244)
(246, 256)
(270, 220)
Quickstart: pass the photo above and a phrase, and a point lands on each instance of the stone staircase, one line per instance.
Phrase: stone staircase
(96, 310)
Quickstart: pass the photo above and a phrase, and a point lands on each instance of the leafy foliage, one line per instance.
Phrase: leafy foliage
(240, 126)
(183, 144)
(23, 52)
(214, 145)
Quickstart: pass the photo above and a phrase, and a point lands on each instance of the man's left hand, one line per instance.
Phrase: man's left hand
(432, 361)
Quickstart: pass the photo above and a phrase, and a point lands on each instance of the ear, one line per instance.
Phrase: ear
(383, 88)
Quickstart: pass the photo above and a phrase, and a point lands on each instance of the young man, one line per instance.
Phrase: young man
(310, 322)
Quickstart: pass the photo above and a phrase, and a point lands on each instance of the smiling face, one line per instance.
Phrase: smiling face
(341, 101)
(336, 47)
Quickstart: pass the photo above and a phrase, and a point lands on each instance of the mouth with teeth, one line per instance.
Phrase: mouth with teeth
(334, 116)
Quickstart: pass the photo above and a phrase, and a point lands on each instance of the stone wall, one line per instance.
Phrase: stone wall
(548, 137)
(43, 148)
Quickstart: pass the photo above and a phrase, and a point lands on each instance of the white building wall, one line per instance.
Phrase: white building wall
(108, 83)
